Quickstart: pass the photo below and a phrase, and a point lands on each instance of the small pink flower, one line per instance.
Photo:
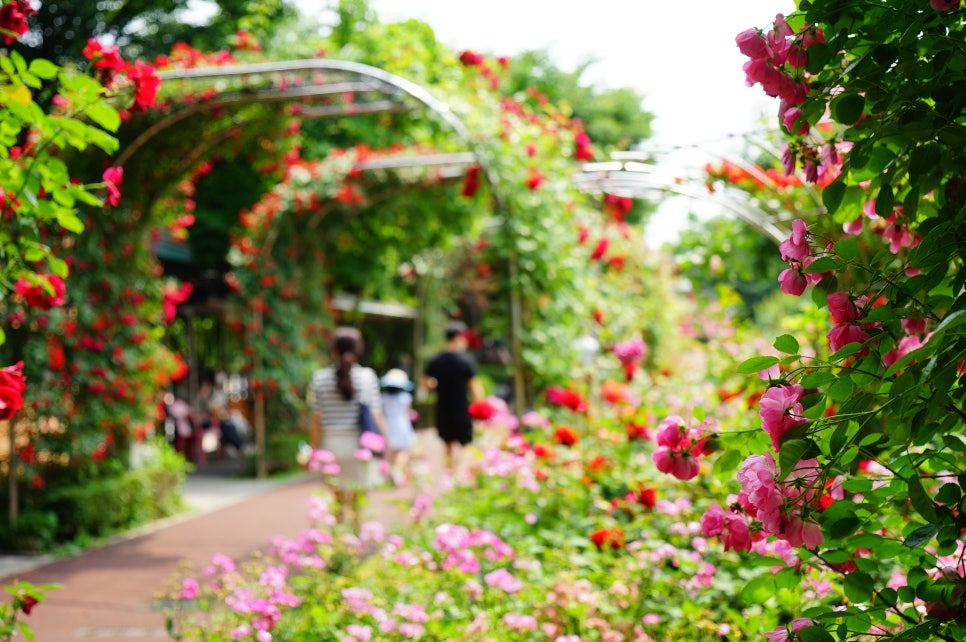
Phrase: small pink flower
(915, 325)
(189, 589)
(793, 121)
(372, 441)
(795, 247)
(679, 464)
(906, 345)
(843, 334)
(842, 307)
(670, 432)
(780, 410)
(363, 454)
(112, 181)
(792, 281)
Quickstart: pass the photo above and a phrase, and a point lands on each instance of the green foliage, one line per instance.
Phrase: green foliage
(142, 28)
(613, 118)
(104, 503)
(24, 597)
(884, 391)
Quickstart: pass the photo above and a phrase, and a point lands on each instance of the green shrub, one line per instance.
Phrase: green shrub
(102, 505)
(281, 452)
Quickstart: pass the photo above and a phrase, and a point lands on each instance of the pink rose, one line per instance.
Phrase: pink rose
(670, 432)
(713, 521)
(843, 334)
(752, 44)
(792, 281)
(795, 247)
(842, 307)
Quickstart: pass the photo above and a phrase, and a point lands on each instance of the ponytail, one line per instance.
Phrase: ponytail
(343, 375)
(347, 346)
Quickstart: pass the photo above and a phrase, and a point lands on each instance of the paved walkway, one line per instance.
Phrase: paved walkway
(107, 593)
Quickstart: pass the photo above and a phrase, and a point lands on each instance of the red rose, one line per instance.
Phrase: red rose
(27, 603)
(471, 59)
(12, 386)
(607, 537)
(39, 296)
(566, 435)
(646, 497)
(13, 19)
(472, 181)
(599, 250)
(482, 410)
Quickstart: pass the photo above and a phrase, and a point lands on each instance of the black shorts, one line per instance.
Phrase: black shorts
(457, 429)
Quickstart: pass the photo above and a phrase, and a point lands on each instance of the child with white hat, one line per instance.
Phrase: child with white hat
(397, 408)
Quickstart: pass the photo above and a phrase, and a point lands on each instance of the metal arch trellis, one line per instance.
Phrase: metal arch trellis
(629, 176)
(358, 78)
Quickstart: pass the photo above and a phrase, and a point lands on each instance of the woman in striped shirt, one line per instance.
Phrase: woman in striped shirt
(337, 391)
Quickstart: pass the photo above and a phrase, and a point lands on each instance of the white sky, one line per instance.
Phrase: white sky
(680, 55)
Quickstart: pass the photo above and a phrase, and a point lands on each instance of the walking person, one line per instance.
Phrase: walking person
(452, 374)
(397, 406)
(337, 391)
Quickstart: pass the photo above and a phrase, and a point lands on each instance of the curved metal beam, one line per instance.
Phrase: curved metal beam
(391, 85)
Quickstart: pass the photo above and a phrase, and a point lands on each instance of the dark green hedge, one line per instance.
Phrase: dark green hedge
(98, 507)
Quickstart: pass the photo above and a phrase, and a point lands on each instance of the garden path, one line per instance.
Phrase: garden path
(108, 593)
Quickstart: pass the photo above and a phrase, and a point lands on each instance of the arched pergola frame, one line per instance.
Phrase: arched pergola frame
(383, 91)
(630, 175)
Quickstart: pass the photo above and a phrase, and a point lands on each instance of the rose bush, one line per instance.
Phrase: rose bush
(559, 527)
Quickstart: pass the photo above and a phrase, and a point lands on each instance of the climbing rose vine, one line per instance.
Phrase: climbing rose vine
(868, 472)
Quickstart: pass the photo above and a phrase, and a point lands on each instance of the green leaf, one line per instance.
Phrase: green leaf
(847, 108)
(841, 389)
(68, 220)
(43, 68)
(727, 462)
(818, 55)
(755, 365)
(786, 343)
(923, 159)
(949, 494)
(859, 586)
(885, 202)
(846, 351)
(58, 266)
(920, 500)
(951, 321)
(791, 453)
(759, 589)
(861, 154)
(852, 203)
(26, 631)
(104, 115)
(818, 379)
(842, 528)
(823, 264)
(815, 633)
(847, 249)
(832, 196)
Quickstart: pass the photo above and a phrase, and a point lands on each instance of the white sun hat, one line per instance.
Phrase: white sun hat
(396, 378)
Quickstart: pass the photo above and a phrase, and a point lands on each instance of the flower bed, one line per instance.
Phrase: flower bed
(560, 526)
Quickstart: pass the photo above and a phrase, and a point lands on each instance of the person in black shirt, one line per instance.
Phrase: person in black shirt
(452, 374)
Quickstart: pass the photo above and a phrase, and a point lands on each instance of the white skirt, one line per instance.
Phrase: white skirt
(353, 472)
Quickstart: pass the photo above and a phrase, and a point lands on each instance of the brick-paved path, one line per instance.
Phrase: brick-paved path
(107, 594)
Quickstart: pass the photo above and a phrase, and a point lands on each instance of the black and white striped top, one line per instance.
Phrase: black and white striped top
(337, 413)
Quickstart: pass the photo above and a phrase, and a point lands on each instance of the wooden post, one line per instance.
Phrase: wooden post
(261, 465)
(12, 473)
